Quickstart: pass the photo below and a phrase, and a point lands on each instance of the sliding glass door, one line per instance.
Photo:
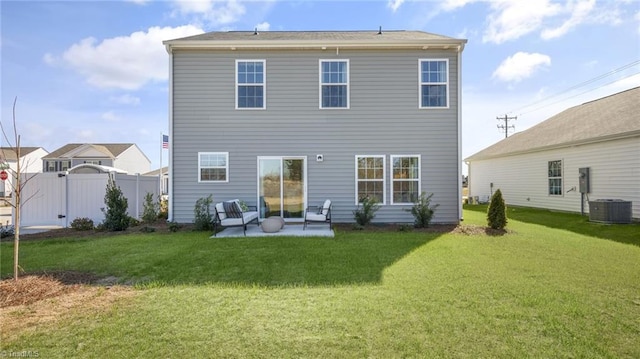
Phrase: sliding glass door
(282, 187)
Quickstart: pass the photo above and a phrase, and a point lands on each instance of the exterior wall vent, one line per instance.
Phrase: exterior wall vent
(610, 211)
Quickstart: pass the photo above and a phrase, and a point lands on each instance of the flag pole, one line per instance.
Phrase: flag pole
(161, 147)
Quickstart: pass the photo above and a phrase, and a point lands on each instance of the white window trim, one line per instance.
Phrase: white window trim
(420, 83)
(264, 85)
(320, 84)
(226, 154)
(419, 179)
(384, 177)
(561, 177)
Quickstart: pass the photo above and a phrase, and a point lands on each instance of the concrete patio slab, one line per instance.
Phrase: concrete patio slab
(289, 230)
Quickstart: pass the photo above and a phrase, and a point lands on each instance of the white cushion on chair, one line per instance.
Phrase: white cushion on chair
(325, 207)
(316, 217)
(220, 209)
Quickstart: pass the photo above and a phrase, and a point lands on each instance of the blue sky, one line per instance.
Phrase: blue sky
(96, 71)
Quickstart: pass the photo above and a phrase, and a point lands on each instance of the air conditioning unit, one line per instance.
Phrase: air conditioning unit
(610, 211)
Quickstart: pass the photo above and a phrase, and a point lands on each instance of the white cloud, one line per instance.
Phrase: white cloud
(125, 99)
(263, 26)
(111, 117)
(450, 5)
(125, 62)
(580, 12)
(511, 19)
(394, 5)
(49, 59)
(520, 66)
(216, 12)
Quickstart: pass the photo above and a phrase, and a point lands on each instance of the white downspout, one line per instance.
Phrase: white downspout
(171, 140)
(460, 133)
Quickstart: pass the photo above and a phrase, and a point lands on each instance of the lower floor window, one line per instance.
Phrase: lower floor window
(213, 166)
(405, 178)
(370, 178)
(555, 177)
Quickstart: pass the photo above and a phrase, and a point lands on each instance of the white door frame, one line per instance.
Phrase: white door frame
(304, 185)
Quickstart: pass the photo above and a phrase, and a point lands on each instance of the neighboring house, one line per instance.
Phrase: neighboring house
(541, 167)
(124, 156)
(165, 178)
(30, 162)
(285, 120)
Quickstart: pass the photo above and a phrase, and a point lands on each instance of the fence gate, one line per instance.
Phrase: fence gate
(43, 200)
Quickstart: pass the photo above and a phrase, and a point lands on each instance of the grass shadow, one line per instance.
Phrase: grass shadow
(194, 258)
(622, 233)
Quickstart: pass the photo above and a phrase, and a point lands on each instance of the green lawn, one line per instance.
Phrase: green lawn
(542, 290)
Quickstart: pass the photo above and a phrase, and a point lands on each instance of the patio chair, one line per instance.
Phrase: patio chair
(319, 214)
(230, 214)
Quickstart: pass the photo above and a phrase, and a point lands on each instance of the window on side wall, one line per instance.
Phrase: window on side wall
(555, 178)
(213, 167)
(51, 166)
(434, 83)
(65, 165)
(370, 178)
(334, 84)
(250, 84)
(405, 179)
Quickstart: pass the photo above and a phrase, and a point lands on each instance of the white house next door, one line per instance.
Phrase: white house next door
(282, 187)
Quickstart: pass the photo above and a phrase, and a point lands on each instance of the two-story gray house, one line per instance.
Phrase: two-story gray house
(285, 120)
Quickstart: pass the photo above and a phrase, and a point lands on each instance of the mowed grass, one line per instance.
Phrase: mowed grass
(538, 291)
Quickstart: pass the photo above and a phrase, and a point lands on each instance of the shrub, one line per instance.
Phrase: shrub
(133, 222)
(163, 210)
(82, 224)
(422, 210)
(173, 226)
(497, 211)
(203, 220)
(367, 212)
(116, 218)
(7, 231)
(150, 209)
(404, 228)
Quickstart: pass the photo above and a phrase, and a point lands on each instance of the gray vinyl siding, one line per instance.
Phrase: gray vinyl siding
(383, 119)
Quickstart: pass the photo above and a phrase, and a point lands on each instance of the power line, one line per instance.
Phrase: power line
(597, 78)
(576, 95)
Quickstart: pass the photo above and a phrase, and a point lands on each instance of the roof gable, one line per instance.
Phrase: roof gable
(72, 150)
(614, 116)
(9, 153)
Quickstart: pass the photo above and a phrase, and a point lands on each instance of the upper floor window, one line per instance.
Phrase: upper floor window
(213, 166)
(555, 178)
(434, 83)
(370, 178)
(405, 179)
(334, 83)
(250, 84)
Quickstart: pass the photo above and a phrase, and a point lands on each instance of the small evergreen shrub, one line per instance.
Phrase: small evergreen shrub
(423, 211)
(365, 214)
(133, 222)
(203, 220)
(116, 217)
(82, 224)
(497, 211)
(173, 226)
(150, 209)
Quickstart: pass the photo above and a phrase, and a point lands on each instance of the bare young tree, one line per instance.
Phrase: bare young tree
(18, 181)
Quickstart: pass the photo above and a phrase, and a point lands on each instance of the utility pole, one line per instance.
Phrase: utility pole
(506, 125)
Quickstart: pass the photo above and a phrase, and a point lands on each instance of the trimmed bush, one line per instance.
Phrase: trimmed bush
(150, 209)
(203, 220)
(82, 224)
(423, 211)
(367, 212)
(497, 211)
(116, 217)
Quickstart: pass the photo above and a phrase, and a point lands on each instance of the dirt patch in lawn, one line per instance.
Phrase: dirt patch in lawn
(36, 300)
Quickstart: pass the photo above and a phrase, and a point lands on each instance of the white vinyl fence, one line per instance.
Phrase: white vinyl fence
(57, 199)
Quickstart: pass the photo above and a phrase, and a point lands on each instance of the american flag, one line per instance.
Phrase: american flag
(165, 141)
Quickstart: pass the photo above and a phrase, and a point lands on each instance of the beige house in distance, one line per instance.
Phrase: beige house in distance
(30, 162)
(123, 156)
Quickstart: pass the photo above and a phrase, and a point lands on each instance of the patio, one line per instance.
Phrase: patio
(289, 230)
